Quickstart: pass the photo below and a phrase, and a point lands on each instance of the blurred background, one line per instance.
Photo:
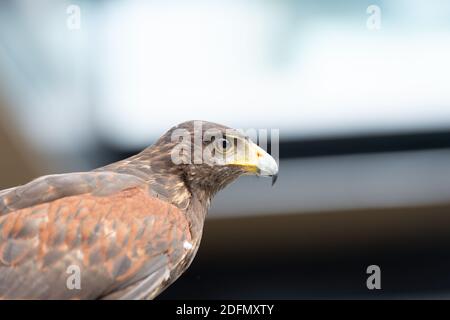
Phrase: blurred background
(360, 91)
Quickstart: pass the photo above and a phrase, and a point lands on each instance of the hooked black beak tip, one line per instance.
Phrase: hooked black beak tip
(274, 179)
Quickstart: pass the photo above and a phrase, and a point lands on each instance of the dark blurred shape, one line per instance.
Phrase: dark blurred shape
(322, 256)
(334, 145)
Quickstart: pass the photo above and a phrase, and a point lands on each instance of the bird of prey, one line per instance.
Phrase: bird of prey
(124, 231)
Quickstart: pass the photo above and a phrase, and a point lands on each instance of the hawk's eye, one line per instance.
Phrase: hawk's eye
(223, 145)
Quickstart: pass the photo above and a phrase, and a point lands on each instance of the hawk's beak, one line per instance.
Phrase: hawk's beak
(257, 161)
(274, 178)
(266, 164)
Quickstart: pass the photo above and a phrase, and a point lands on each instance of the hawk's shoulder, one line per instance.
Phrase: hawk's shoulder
(52, 187)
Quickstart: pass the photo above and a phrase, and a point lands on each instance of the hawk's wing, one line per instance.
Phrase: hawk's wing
(103, 226)
(49, 188)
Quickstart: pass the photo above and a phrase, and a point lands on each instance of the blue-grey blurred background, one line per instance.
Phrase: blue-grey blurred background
(360, 91)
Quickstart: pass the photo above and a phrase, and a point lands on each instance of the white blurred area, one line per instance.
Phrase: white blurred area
(135, 68)
(246, 64)
(309, 68)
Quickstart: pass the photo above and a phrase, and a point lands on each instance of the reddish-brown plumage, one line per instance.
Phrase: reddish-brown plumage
(115, 234)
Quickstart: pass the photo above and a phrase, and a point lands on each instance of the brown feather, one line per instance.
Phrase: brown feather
(121, 252)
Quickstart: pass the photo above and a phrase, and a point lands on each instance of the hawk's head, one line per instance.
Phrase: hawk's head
(209, 156)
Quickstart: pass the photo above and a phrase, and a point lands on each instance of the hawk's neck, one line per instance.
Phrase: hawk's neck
(167, 186)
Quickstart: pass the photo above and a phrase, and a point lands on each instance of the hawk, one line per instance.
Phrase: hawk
(127, 230)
